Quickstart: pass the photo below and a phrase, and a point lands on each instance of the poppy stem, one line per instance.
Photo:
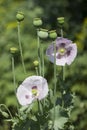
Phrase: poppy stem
(20, 47)
(63, 76)
(63, 88)
(54, 80)
(13, 71)
(63, 73)
(40, 109)
(36, 68)
(14, 80)
(42, 49)
(39, 53)
(63, 68)
(61, 32)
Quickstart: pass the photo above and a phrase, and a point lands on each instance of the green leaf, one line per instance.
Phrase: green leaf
(27, 125)
(60, 118)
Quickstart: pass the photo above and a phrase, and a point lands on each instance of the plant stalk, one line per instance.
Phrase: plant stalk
(39, 53)
(54, 80)
(13, 71)
(20, 47)
(36, 68)
(42, 60)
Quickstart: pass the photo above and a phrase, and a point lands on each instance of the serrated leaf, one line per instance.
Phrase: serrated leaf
(60, 118)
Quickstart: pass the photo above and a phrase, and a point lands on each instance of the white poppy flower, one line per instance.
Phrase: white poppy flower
(66, 51)
(32, 88)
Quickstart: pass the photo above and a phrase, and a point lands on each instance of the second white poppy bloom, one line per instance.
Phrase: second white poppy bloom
(65, 51)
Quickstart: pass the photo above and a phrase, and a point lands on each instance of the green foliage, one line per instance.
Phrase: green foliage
(75, 28)
(60, 117)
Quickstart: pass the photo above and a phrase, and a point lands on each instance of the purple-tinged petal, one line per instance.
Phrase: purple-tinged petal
(37, 83)
(60, 40)
(44, 91)
(61, 61)
(24, 96)
(66, 51)
(50, 50)
(72, 55)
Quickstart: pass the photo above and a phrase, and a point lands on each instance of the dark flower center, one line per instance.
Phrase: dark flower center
(34, 90)
(62, 45)
(62, 50)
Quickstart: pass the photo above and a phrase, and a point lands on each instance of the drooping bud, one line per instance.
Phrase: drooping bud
(60, 20)
(13, 50)
(36, 63)
(5, 114)
(20, 16)
(53, 34)
(37, 22)
(43, 33)
(50, 123)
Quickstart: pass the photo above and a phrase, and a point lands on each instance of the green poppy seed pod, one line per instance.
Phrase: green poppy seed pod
(13, 50)
(36, 63)
(20, 16)
(43, 33)
(53, 34)
(60, 20)
(37, 22)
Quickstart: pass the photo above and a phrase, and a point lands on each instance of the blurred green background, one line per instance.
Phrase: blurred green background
(75, 28)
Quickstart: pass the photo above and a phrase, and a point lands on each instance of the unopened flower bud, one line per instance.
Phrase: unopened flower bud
(37, 22)
(43, 33)
(50, 123)
(60, 20)
(20, 16)
(52, 34)
(13, 50)
(5, 114)
(35, 63)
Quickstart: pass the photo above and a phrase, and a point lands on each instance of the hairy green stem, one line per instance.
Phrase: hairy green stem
(39, 53)
(20, 47)
(63, 79)
(63, 75)
(63, 68)
(54, 79)
(13, 71)
(14, 79)
(42, 61)
(40, 109)
(61, 32)
(36, 68)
